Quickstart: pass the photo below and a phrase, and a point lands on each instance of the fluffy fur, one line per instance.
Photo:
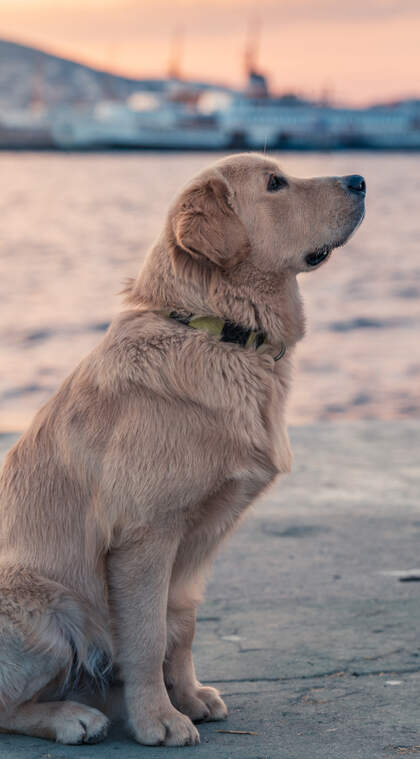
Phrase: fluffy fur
(115, 500)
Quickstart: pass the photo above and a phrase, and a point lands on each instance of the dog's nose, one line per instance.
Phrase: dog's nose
(355, 183)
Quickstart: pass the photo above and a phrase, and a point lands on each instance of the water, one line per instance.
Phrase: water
(74, 226)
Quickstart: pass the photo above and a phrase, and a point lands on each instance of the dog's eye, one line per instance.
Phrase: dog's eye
(276, 183)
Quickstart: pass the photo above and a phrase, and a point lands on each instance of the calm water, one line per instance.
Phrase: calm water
(74, 226)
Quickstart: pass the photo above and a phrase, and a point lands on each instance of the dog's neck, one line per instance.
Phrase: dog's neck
(243, 295)
(265, 301)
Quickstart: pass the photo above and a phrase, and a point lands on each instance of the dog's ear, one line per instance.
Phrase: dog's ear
(207, 228)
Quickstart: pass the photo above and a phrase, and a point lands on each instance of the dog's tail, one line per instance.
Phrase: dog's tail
(47, 635)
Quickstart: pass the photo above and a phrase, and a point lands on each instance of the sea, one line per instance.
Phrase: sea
(74, 226)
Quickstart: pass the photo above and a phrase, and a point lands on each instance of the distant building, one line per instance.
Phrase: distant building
(256, 86)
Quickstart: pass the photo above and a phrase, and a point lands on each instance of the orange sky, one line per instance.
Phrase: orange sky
(357, 49)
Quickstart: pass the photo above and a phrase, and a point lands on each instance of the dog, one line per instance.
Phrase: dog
(114, 501)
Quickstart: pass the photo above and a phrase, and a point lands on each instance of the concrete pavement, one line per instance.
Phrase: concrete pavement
(311, 625)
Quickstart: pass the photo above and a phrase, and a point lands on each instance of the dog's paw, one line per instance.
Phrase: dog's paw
(75, 723)
(202, 703)
(170, 728)
(215, 704)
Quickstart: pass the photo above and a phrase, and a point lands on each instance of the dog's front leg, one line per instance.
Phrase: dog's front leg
(219, 515)
(199, 701)
(139, 575)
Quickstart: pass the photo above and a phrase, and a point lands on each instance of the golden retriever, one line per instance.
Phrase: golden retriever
(115, 500)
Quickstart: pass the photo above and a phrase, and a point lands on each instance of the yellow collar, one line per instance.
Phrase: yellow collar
(228, 332)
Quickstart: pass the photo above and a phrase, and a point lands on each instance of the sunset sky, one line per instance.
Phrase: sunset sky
(357, 50)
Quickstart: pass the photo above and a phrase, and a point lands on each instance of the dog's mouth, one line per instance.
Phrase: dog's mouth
(317, 256)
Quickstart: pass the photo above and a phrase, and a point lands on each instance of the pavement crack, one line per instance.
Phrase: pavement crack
(383, 655)
(318, 676)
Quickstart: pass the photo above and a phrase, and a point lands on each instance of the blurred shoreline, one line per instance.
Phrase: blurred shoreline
(50, 102)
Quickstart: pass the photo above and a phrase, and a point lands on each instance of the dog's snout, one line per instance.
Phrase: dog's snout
(355, 183)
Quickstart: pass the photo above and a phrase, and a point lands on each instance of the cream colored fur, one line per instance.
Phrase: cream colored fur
(115, 500)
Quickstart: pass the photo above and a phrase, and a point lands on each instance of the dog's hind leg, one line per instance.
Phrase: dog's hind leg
(61, 721)
(28, 675)
(47, 638)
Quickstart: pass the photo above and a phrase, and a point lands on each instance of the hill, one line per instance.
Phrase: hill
(28, 75)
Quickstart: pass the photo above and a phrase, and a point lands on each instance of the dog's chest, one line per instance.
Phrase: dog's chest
(265, 452)
(257, 428)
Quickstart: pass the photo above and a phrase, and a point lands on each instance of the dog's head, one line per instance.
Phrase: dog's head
(246, 208)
